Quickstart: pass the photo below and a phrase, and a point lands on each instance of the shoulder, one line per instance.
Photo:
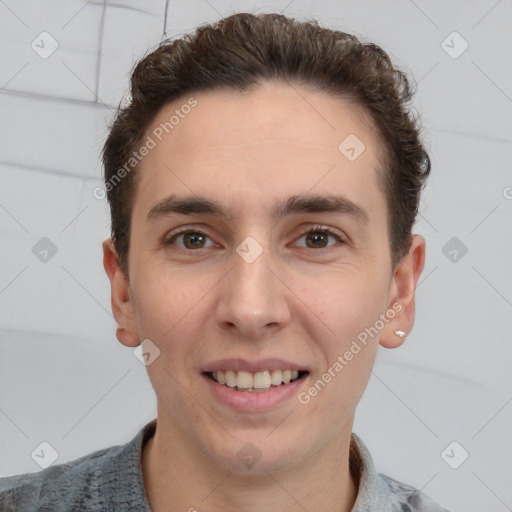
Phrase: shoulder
(70, 486)
(380, 492)
(406, 498)
(106, 480)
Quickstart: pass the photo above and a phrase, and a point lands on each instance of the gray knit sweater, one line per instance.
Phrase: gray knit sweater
(111, 480)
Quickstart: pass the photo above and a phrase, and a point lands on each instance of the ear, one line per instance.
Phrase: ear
(122, 305)
(402, 293)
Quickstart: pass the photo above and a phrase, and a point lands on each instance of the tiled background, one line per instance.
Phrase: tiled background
(66, 380)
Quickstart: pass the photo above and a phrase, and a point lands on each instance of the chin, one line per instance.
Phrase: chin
(257, 454)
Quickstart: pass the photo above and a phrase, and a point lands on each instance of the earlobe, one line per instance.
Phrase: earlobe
(392, 338)
(126, 337)
(121, 302)
(402, 292)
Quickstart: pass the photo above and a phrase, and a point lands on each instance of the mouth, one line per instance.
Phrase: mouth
(256, 382)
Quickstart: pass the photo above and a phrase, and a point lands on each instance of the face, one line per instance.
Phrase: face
(259, 250)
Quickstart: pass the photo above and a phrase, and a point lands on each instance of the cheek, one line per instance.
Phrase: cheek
(173, 310)
(166, 293)
(346, 306)
(348, 309)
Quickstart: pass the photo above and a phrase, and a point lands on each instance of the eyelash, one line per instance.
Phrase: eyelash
(314, 229)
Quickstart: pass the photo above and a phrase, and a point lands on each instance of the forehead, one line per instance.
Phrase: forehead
(275, 139)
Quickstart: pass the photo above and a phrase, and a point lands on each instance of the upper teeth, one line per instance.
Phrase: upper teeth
(257, 380)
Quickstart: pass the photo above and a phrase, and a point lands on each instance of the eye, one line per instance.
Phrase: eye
(318, 237)
(191, 239)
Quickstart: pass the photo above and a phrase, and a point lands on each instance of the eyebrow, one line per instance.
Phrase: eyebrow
(197, 205)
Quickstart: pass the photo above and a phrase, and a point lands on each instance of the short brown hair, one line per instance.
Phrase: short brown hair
(244, 50)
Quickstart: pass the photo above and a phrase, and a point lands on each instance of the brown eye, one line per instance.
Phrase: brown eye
(318, 237)
(193, 240)
(190, 240)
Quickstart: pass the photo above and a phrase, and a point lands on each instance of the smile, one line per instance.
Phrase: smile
(255, 381)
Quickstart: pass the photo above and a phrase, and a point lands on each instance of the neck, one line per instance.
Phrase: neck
(178, 478)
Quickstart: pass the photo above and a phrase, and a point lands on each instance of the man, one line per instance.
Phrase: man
(263, 183)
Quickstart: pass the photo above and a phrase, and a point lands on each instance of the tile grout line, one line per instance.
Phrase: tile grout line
(49, 170)
(100, 48)
(48, 97)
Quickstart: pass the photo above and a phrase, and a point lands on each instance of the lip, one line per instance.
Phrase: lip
(244, 401)
(238, 364)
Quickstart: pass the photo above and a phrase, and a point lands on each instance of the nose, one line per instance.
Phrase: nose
(253, 299)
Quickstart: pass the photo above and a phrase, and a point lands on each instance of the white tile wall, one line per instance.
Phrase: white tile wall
(128, 34)
(71, 70)
(54, 136)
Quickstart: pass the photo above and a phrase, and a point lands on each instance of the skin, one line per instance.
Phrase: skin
(300, 300)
